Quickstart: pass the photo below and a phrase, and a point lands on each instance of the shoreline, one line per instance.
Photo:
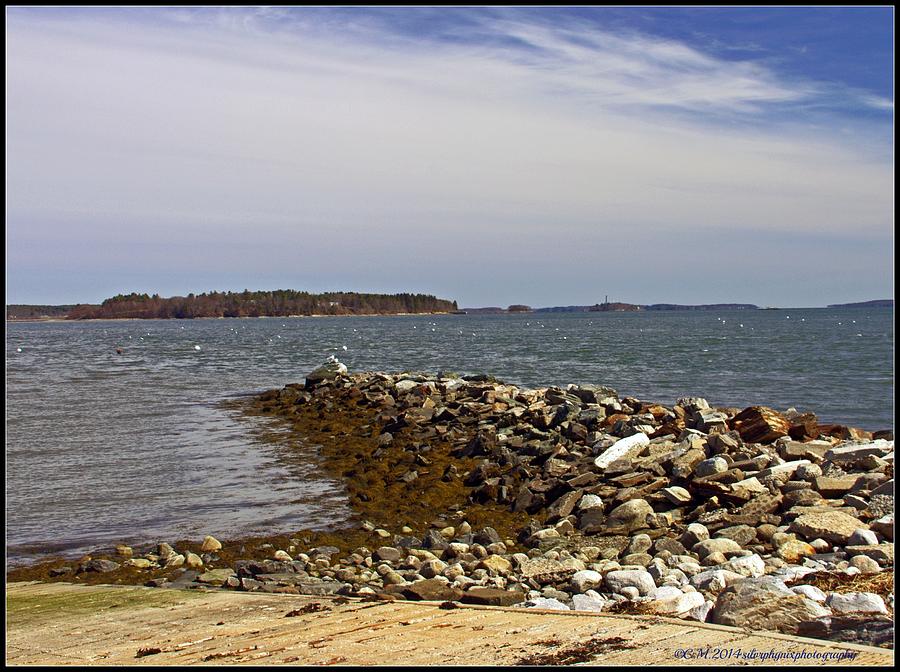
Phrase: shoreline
(561, 498)
(191, 319)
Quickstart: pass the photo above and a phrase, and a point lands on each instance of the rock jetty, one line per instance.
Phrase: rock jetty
(476, 491)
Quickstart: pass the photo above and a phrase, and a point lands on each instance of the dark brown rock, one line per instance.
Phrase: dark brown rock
(493, 597)
(430, 590)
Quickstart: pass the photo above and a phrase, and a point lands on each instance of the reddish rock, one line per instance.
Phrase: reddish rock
(759, 424)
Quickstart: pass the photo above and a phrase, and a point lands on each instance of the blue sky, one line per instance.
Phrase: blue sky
(548, 156)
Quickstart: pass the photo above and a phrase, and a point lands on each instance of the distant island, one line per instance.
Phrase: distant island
(277, 303)
(877, 303)
(288, 302)
(610, 307)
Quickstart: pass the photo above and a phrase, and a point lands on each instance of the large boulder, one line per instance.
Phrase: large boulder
(764, 603)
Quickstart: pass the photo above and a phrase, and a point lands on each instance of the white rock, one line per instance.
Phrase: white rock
(590, 502)
(700, 612)
(622, 448)
(546, 603)
(681, 605)
(640, 579)
(811, 592)
(863, 537)
(750, 566)
(588, 602)
(848, 603)
(677, 495)
(586, 579)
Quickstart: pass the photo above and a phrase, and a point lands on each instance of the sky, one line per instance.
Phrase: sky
(545, 156)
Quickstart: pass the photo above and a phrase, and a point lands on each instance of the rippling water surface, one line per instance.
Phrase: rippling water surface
(103, 448)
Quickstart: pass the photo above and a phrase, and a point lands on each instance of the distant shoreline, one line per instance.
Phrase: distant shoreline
(650, 308)
(193, 319)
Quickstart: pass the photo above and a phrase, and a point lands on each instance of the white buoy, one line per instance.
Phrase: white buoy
(18, 349)
(196, 347)
(344, 347)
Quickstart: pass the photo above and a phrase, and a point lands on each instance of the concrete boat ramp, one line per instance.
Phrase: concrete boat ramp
(67, 624)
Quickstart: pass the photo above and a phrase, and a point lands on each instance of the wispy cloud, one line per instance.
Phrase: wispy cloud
(239, 126)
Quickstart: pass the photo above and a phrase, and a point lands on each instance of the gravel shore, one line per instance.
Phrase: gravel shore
(468, 490)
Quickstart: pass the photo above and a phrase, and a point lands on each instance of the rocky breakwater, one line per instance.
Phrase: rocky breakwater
(471, 490)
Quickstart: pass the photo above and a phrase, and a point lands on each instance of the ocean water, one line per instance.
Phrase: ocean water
(103, 448)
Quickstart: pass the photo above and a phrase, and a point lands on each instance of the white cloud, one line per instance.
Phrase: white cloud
(232, 130)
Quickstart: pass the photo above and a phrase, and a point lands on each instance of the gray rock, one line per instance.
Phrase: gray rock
(715, 580)
(863, 537)
(713, 465)
(630, 516)
(855, 629)
(98, 565)
(640, 543)
(330, 370)
(764, 603)
(588, 602)
(546, 603)
(718, 545)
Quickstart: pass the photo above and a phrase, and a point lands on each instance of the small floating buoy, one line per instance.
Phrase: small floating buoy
(18, 349)
(196, 347)
(119, 351)
(344, 347)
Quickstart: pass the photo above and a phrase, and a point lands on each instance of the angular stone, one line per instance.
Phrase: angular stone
(835, 527)
(718, 545)
(210, 544)
(865, 629)
(677, 495)
(496, 564)
(883, 554)
(593, 603)
(764, 603)
(678, 606)
(743, 535)
(848, 603)
(759, 424)
(833, 488)
(750, 565)
(621, 449)
(548, 603)
(795, 550)
(431, 590)
(216, 577)
(884, 526)
(494, 597)
(850, 453)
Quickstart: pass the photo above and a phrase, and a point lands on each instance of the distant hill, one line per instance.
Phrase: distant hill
(877, 303)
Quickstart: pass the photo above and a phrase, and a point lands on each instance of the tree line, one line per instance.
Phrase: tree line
(277, 303)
